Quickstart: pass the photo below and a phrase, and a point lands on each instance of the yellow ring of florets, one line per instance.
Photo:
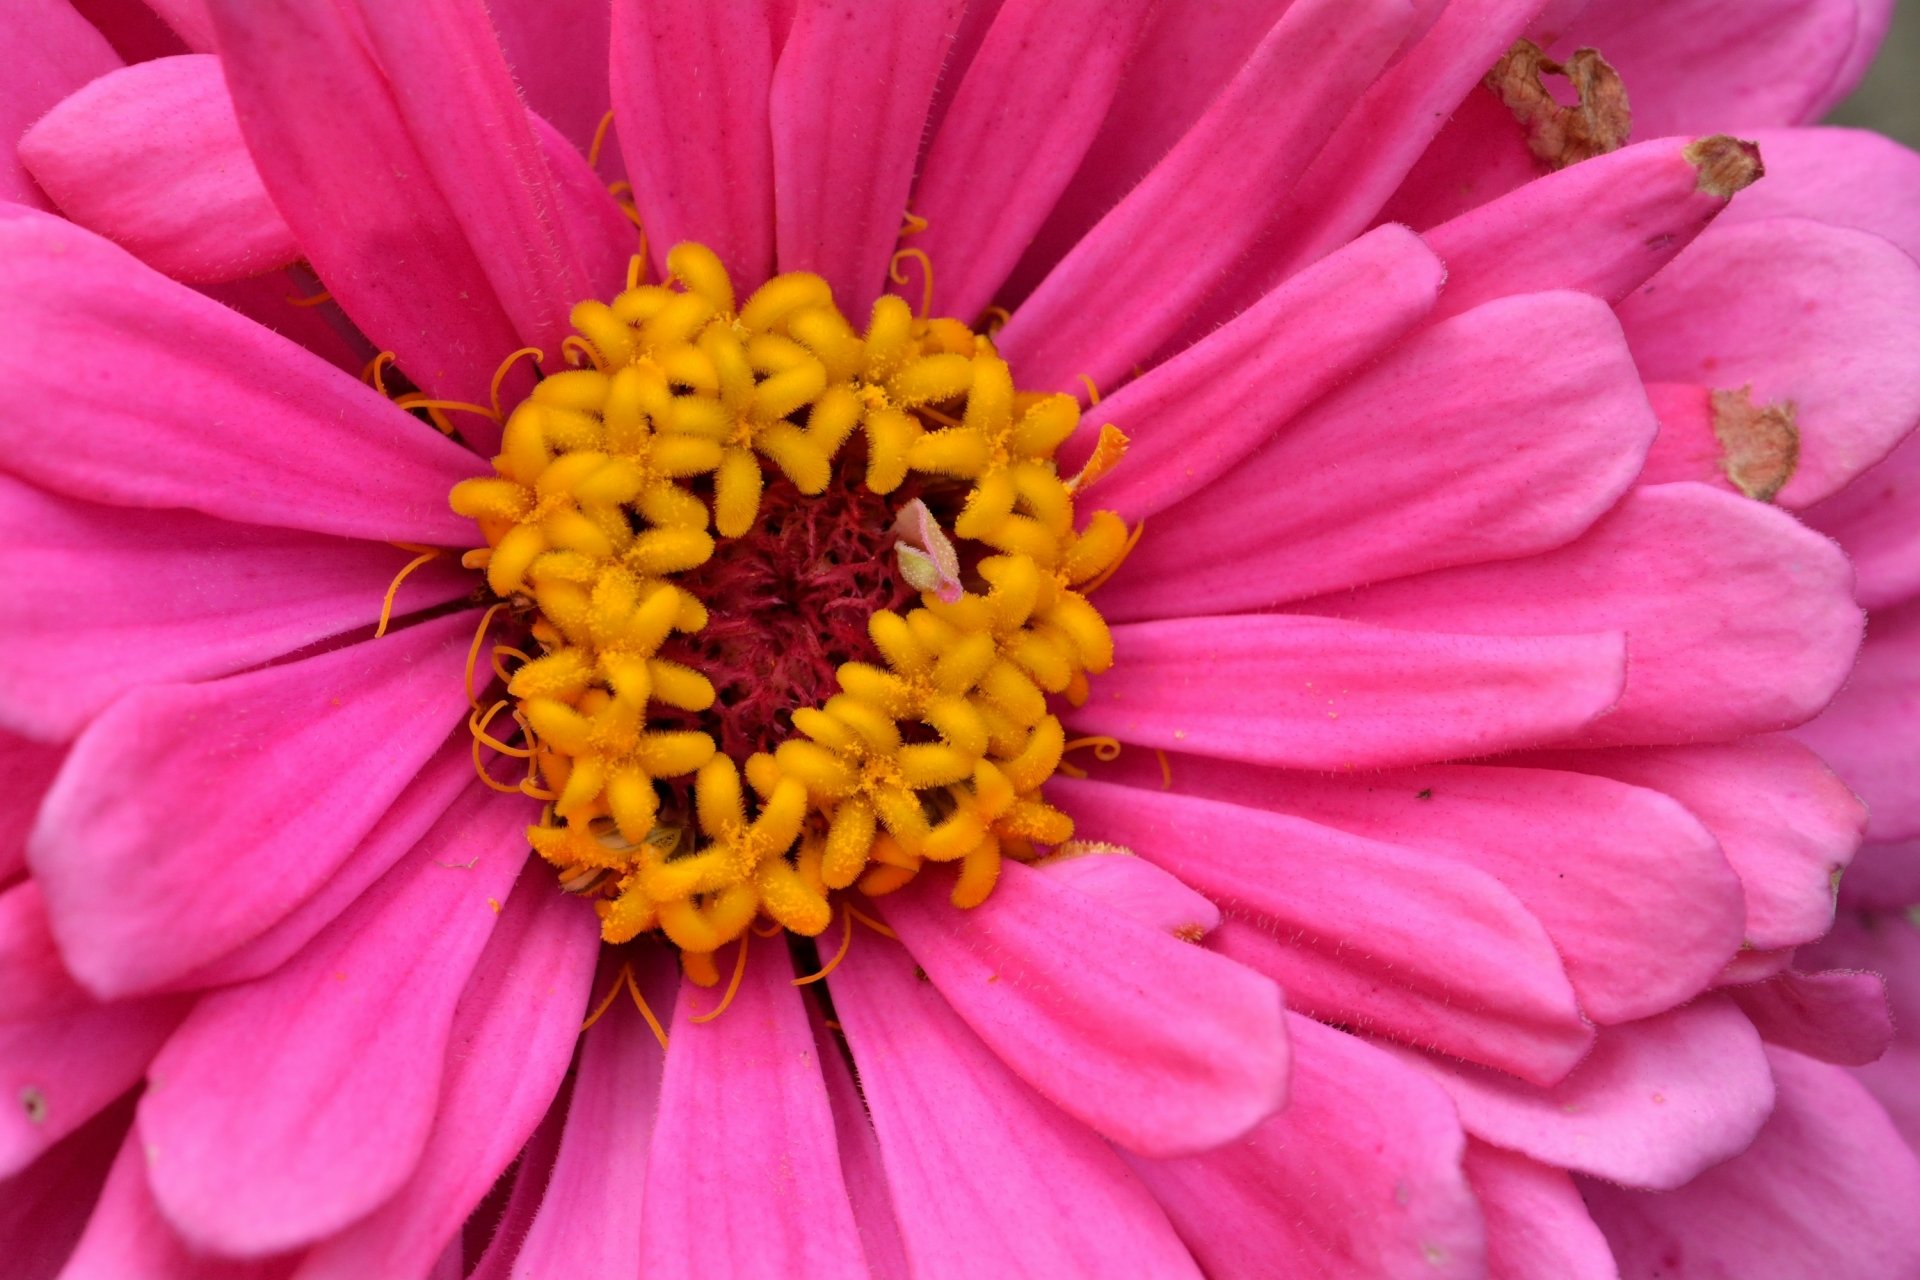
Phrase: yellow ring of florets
(588, 519)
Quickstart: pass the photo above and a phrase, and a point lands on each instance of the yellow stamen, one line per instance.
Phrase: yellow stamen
(386, 602)
(846, 941)
(926, 276)
(733, 985)
(295, 300)
(599, 140)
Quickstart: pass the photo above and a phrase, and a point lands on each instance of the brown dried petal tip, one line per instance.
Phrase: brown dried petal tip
(1559, 136)
(1726, 165)
(1760, 444)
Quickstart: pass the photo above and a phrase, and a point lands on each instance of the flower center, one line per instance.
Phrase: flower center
(802, 597)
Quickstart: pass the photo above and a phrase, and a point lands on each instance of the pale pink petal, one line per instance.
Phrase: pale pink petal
(58, 1072)
(188, 818)
(1137, 889)
(1357, 931)
(101, 601)
(1359, 1176)
(1041, 84)
(845, 139)
(1873, 519)
(513, 1036)
(1695, 66)
(767, 1200)
(1835, 1017)
(1537, 1225)
(194, 208)
(1886, 943)
(1634, 892)
(337, 155)
(988, 1178)
(45, 1209)
(1784, 821)
(1870, 734)
(589, 1219)
(1191, 419)
(127, 1236)
(706, 174)
(38, 984)
(860, 1160)
(1842, 177)
(1828, 1189)
(557, 49)
(1738, 619)
(1160, 1045)
(49, 52)
(1342, 695)
(285, 1108)
(1108, 306)
(29, 768)
(1654, 1104)
(176, 411)
(1602, 226)
(1517, 448)
(1801, 313)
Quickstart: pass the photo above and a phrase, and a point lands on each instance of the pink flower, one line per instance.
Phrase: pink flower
(1451, 681)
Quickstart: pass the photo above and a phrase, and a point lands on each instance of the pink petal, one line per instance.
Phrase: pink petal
(49, 52)
(1868, 735)
(1041, 84)
(189, 818)
(1883, 877)
(589, 1219)
(190, 19)
(45, 1209)
(602, 233)
(1161, 1046)
(965, 1143)
(1633, 891)
(268, 301)
(29, 768)
(1835, 1017)
(1343, 695)
(1842, 177)
(1478, 156)
(525, 1192)
(38, 984)
(1107, 306)
(1738, 620)
(860, 1160)
(767, 1200)
(1799, 312)
(195, 208)
(1602, 227)
(1536, 1223)
(172, 414)
(513, 1036)
(390, 245)
(1350, 493)
(1357, 931)
(1191, 419)
(557, 49)
(135, 31)
(704, 175)
(285, 1108)
(1136, 889)
(1873, 518)
(1889, 944)
(99, 604)
(1785, 823)
(1694, 66)
(1359, 1176)
(1653, 1105)
(845, 139)
(1828, 1189)
(59, 1071)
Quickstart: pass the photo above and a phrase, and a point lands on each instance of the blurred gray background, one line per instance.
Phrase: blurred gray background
(1889, 98)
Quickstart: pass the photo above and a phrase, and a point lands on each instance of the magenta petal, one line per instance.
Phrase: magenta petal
(1136, 888)
(1359, 1176)
(1828, 1189)
(194, 208)
(1358, 931)
(102, 601)
(1041, 84)
(860, 1160)
(965, 1143)
(1517, 450)
(1685, 571)
(1868, 735)
(29, 768)
(38, 984)
(1654, 1104)
(527, 1191)
(703, 175)
(743, 1178)
(1536, 1223)
(513, 1036)
(557, 49)
(1886, 943)
(173, 413)
(1873, 519)
(845, 139)
(1800, 312)
(1162, 1046)
(1191, 419)
(189, 818)
(46, 1208)
(285, 1108)
(313, 134)
(49, 52)
(1835, 1017)
(1343, 695)
(1842, 177)
(60, 1071)
(1108, 306)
